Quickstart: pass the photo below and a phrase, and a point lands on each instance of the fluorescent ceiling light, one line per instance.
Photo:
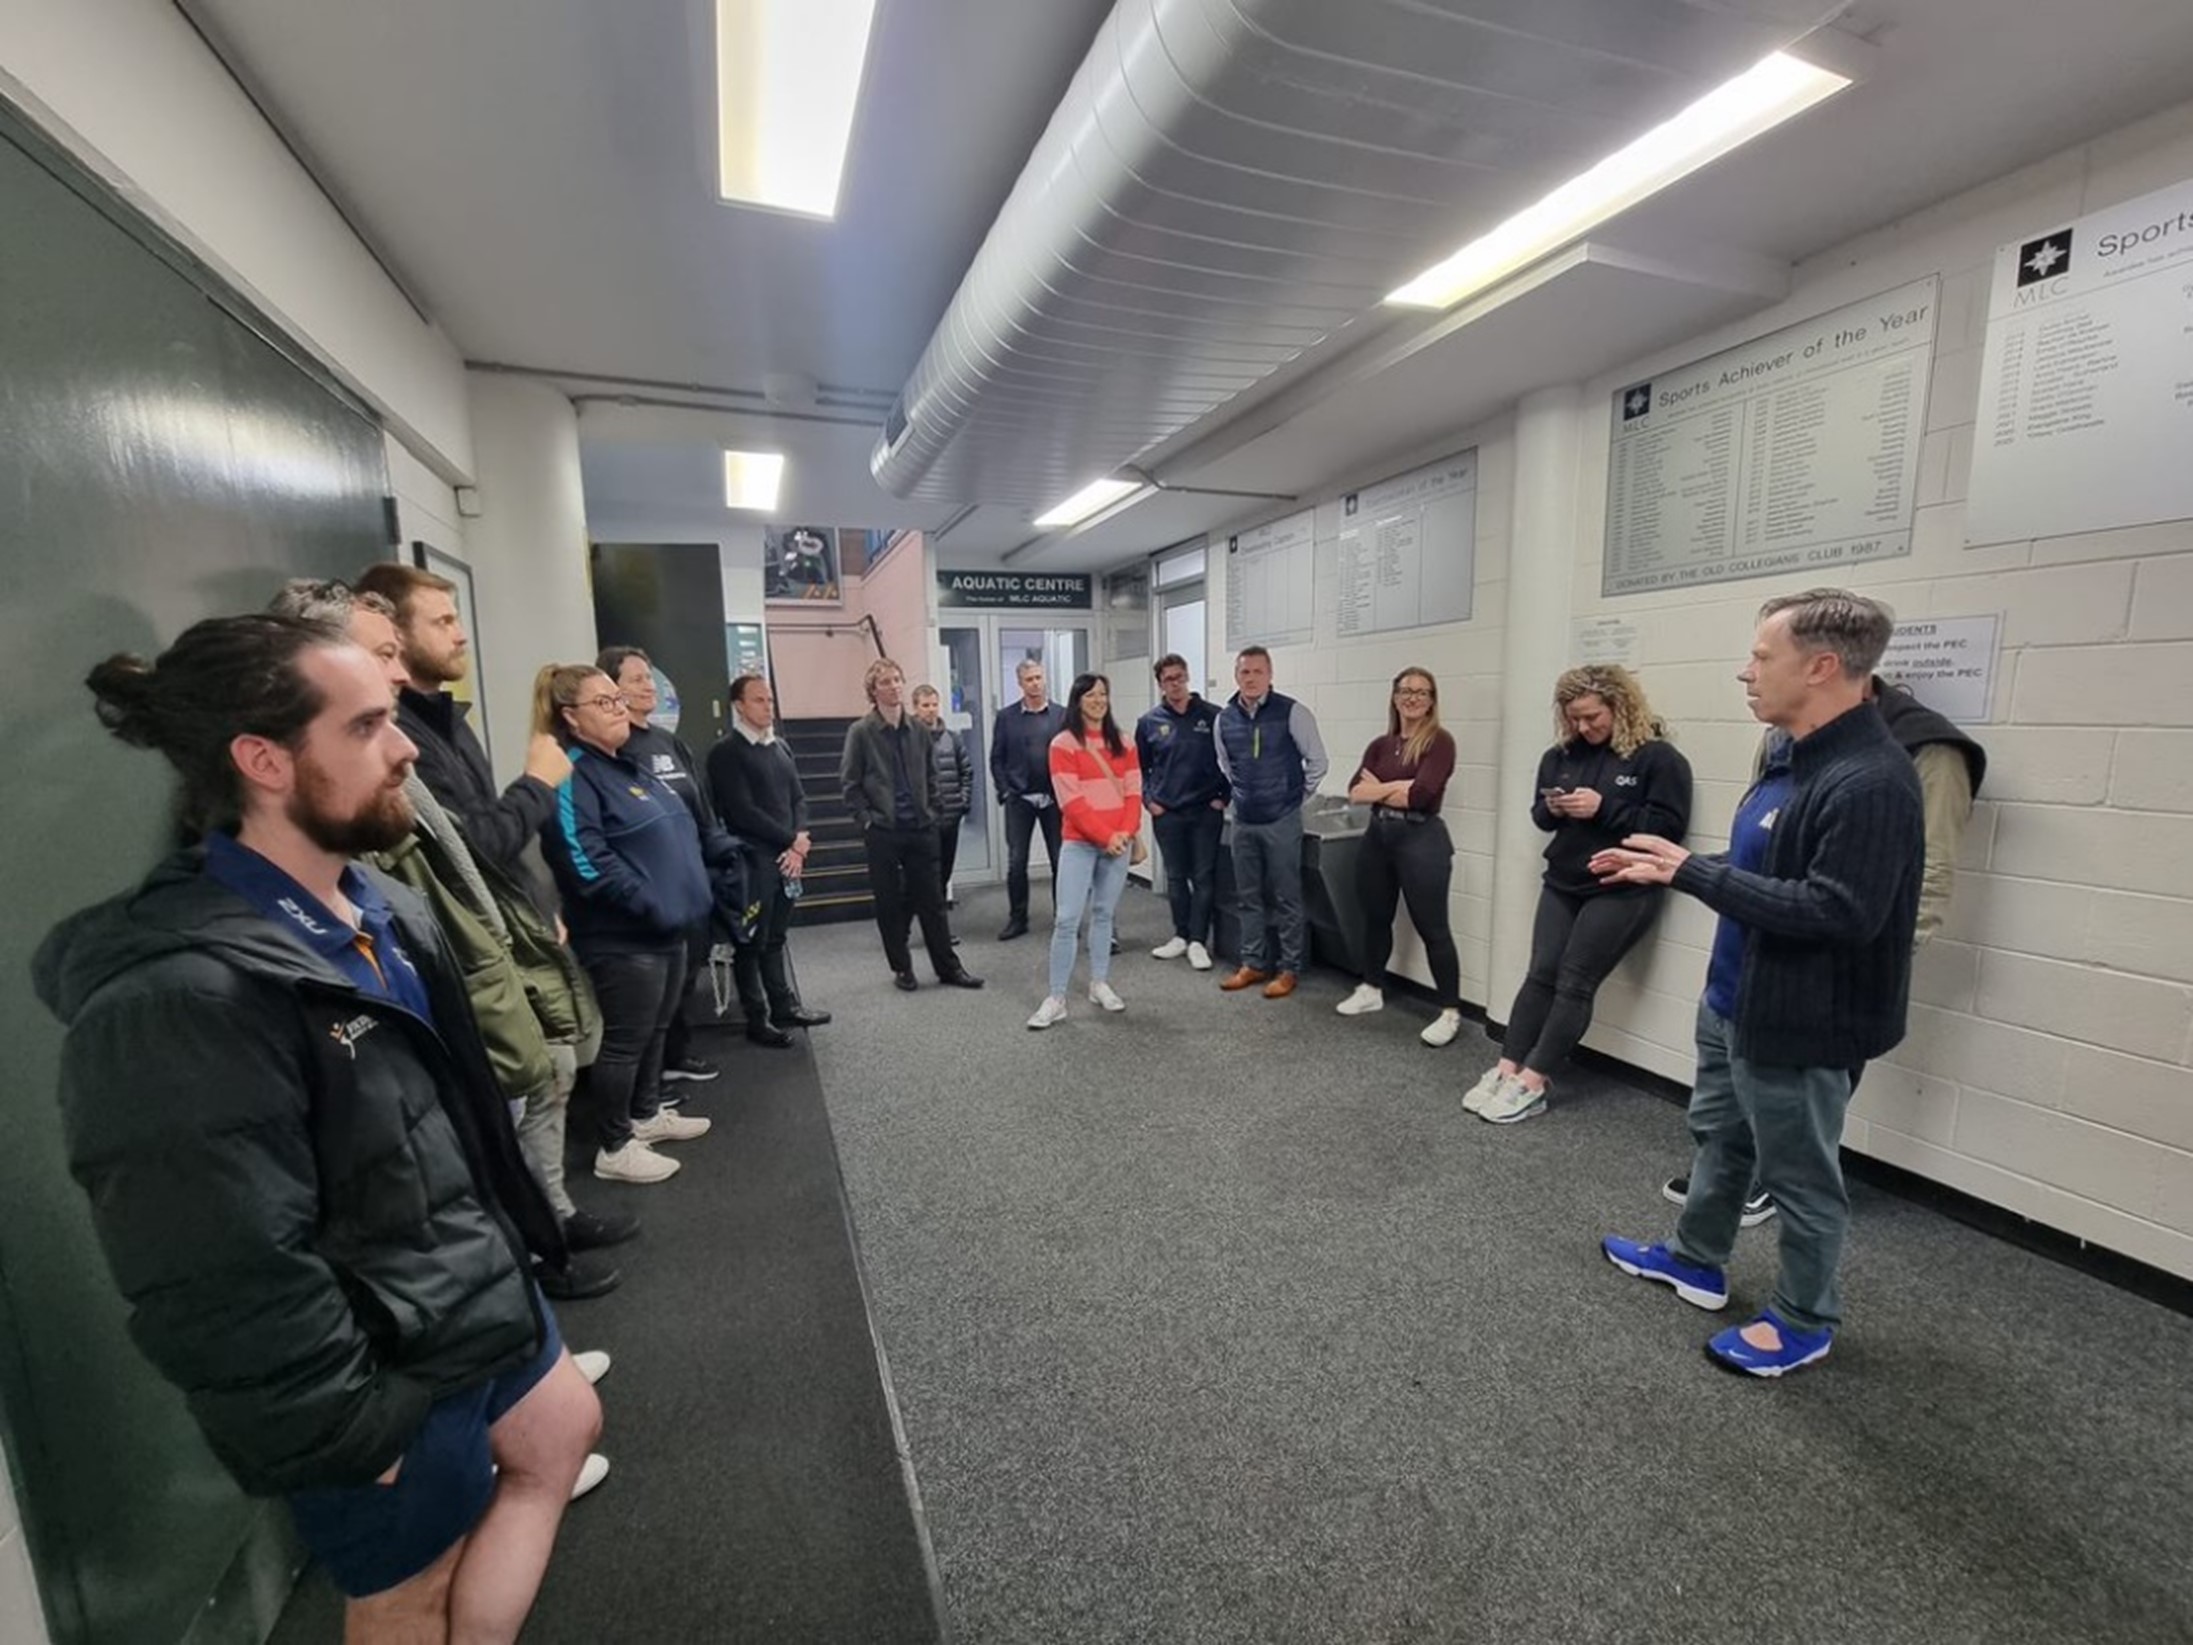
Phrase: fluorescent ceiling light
(1726, 118)
(1098, 494)
(751, 478)
(787, 77)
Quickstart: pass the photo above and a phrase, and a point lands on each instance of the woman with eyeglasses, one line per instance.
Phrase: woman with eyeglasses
(1406, 855)
(1610, 773)
(631, 861)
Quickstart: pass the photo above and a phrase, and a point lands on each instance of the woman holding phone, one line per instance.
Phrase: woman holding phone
(1610, 773)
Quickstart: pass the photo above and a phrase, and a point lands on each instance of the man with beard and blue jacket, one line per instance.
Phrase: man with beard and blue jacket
(1177, 744)
(321, 1219)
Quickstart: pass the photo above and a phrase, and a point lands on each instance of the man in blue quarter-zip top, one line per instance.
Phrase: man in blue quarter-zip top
(318, 1214)
(1272, 757)
(1809, 976)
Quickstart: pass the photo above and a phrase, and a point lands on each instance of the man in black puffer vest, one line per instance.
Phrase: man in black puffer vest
(1810, 975)
(322, 1224)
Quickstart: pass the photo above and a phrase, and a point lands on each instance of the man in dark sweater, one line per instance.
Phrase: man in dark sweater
(1020, 775)
(755, 785)
(1810, 975)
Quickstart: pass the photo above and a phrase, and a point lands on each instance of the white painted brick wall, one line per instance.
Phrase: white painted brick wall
(2047, 1067)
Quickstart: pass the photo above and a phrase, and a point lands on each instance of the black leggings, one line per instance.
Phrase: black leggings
(1575, 942)
(1413, 863)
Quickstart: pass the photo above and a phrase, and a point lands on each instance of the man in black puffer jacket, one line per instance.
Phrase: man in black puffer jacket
(304, 1179)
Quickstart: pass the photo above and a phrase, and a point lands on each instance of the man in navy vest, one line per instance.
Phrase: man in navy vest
(1273, 758)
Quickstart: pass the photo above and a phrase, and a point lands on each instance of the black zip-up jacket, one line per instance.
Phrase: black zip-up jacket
(454, 766)
(1827, 954)
(313, 1201)
(1646, 793)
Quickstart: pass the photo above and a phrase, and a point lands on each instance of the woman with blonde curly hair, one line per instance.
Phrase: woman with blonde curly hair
(1610, 773)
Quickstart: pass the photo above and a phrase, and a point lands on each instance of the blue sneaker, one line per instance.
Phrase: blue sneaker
(1700, 1287)
(1798, 1348)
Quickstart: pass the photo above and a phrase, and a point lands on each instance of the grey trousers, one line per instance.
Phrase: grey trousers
(1268, 891)
(1786, 1126)
(541, 1126)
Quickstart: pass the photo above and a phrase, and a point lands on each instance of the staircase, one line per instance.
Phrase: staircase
(835, 886)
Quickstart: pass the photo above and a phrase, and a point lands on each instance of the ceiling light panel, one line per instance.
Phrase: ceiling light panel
(1227, 183)
(1090, 499)
(752, 479)
(788, 75)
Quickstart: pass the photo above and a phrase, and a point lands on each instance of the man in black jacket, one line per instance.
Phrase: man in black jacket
(437, 654)
(1020, 775)
(755, 784)
(889, 780)
(1810, 975)
(322, 1227)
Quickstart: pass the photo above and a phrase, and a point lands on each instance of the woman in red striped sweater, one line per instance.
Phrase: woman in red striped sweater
(1098, 782)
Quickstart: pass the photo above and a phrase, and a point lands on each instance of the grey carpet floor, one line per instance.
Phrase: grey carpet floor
(1221, 1321)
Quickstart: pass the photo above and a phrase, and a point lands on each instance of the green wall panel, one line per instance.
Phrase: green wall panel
(162, 458)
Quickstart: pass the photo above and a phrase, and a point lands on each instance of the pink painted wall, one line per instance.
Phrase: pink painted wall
(820, 655)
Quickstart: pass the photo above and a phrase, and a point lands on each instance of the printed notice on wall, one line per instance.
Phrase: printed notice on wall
(1602, 640)
(1408, 549)
(1798, 451)
(2086, 388)
(1270, 582)
(1948, 663)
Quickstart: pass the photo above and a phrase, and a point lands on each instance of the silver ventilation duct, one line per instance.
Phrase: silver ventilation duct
(1228, 182)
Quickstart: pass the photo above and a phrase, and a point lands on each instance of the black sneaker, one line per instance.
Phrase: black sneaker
(586, 1231)
(761, 1033)
(690, 1068)
(1017, 926)
(576, 1280)
(962, 978)
(904, 982)
(800, 1016)
(1757, 1209)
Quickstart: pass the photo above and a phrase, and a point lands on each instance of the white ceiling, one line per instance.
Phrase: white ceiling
(538, 174)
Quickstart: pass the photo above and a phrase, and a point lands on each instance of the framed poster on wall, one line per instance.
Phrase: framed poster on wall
(470, 689)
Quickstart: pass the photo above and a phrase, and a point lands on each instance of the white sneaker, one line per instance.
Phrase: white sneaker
(1100, 993)
(1512, 1101)
(1199, 956)
(1481, 1093)
(593, 1363)
(592, 1472)
(1171, 949)
(670, 1126)
(1442, 1029)
(1362, 1002)
(634, 1162)
(1050, 1011)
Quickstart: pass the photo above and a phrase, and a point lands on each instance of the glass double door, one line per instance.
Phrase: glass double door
(983, 657)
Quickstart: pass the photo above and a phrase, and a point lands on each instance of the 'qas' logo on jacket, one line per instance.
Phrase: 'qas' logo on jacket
(348, 1034)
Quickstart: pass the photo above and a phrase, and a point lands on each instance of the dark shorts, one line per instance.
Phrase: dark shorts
(370, 1538)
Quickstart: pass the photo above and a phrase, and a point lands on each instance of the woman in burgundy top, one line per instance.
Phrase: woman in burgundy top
(1406, 854)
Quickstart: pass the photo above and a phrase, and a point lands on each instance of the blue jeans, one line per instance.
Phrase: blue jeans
(1188, 840)
(1785, 1125)
(1086, 877)
(1268, 873)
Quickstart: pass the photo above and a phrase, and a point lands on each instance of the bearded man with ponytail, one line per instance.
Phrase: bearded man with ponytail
(301, 1172)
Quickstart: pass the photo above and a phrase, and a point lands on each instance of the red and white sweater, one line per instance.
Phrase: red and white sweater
(1099, 792)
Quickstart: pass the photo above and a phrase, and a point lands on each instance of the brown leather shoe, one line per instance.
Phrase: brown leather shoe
(1280, 986)
(1244, 978)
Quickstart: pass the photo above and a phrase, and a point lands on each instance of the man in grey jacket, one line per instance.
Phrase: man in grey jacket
(889, 780)
(330, 1148)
